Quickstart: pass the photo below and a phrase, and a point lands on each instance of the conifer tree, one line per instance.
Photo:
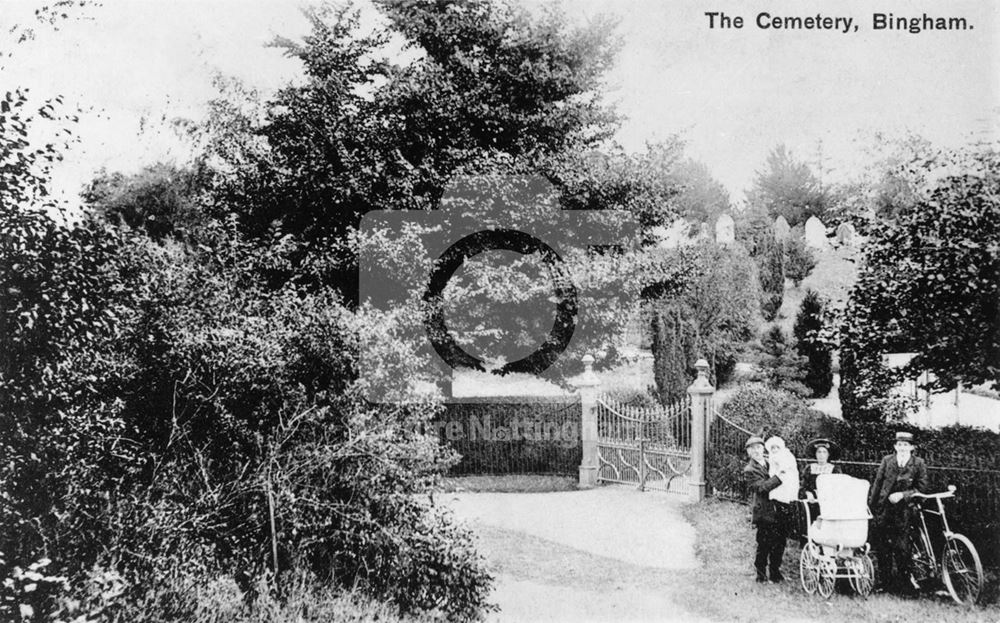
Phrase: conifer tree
(808, 324)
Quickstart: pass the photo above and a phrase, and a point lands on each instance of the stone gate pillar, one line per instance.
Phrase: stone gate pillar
(587, 385)
(701, 392)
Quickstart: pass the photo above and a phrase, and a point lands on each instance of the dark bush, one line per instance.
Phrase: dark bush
(809, 324)
(767, 411)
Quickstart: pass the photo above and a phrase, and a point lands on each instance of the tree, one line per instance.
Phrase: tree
(808, 332)
(712, 316)
(929, 284)
(783, 368)
(772, 280)
(788, 187)
(489, 88)
(702, 198)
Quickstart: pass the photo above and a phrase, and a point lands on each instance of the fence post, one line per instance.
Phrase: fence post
(701, 392)
(587, 384)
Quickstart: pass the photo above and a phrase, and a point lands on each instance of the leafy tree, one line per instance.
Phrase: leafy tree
(783, 367)
(788, 187)
(488, 84)
(808, 332)
(888, 182)
(929, 284)
(702, 198)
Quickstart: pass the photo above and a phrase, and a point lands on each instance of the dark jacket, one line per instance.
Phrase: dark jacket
(759, 484)
(891, 478)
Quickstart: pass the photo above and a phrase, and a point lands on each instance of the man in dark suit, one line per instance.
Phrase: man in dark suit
(899, 476)
(771, 532)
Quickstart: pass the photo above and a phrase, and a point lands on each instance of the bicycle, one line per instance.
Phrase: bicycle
(958, 565)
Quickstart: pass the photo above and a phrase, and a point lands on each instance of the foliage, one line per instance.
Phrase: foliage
(772, 281)
(783, 368)
(885, 185)
(755, 231)
(809, 331)
(702, 198)
(161, 200)
(713, 317)
(799, 259)
(929, 284)
(481, 82)
(788, 187)
(768, 411)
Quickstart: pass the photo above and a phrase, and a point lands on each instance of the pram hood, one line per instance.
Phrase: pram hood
(842, 497)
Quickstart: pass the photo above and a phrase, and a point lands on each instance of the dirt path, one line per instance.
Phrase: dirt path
(606, 554)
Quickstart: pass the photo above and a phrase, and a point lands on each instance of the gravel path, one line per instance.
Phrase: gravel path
(606, 554)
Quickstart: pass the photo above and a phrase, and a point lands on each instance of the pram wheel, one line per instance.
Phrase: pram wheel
(809, 568)
(827, 577)
(862, 574)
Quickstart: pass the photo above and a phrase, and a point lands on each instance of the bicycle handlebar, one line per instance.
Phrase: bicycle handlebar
(950, 493)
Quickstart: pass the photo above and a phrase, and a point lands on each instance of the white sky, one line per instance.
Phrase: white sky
(732, 94)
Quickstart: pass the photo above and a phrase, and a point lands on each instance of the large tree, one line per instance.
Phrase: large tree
(929, 283)
(788, 187)
(487, 86)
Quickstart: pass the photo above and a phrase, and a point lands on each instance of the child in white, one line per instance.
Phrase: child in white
(782, 464)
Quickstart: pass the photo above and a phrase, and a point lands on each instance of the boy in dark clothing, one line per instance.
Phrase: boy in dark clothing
(766, 516)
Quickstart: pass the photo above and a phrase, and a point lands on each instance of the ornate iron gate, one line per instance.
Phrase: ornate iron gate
(647, 447)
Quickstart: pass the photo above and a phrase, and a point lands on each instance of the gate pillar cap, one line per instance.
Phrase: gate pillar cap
(701, 383)
(588, 378)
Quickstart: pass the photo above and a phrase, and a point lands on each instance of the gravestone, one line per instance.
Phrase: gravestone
(781, 229)
(815, 233)
(846, 234)
(725, 230)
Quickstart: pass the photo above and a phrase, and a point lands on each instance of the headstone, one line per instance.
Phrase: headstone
(846, 234)
(781, 228)
(815, 233)
(725, 230)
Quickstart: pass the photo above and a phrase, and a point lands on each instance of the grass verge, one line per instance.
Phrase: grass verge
(724, 589)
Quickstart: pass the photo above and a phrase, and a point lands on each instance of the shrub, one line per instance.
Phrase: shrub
(781, 366)
(799, 259)
(769, 411)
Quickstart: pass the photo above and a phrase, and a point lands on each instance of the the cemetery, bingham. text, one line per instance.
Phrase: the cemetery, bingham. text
(719, 20)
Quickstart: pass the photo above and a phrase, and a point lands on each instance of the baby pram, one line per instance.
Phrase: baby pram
(837, 541)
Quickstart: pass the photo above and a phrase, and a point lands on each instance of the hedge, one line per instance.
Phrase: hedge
(513, 435)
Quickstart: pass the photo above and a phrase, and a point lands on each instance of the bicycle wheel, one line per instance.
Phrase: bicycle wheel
(962, 570)
(809, 568)
(862, 575)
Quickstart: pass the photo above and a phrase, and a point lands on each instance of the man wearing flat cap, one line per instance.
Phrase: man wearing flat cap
(899, 476)
(771, 531)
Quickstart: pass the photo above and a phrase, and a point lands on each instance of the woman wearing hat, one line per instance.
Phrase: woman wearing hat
(824, 451)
